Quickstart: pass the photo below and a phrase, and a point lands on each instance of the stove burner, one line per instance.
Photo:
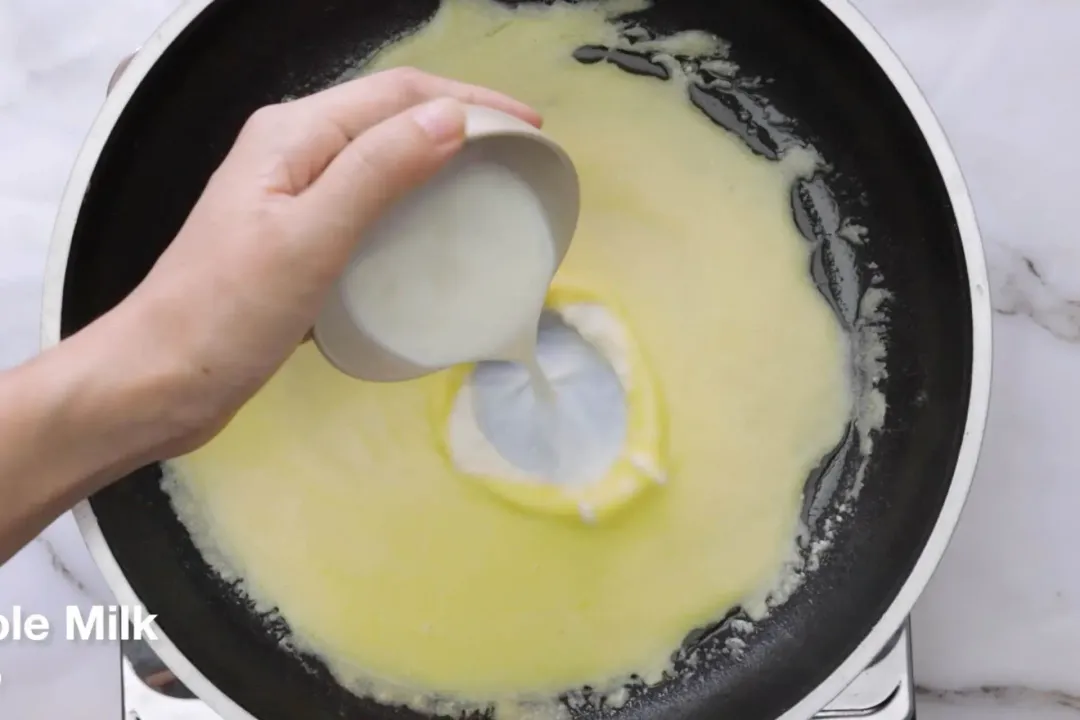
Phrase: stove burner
(884, 691)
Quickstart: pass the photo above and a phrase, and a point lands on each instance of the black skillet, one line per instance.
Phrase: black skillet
(178, 107)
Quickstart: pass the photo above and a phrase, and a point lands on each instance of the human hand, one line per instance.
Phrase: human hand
(242, 283)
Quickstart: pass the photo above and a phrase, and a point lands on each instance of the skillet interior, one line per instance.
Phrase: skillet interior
(240, 54)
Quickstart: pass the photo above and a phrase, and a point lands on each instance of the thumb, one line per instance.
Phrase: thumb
(382, 164)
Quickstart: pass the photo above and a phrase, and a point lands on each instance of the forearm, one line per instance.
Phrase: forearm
(71, 420)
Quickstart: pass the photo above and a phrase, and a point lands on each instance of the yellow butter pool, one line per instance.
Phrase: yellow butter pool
(333, 501)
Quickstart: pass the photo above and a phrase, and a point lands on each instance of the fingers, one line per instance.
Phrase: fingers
(284, 148)
(356, 105)
(393, 157)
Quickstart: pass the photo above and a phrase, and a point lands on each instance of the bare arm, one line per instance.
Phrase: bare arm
(72, 419)
(231, 297)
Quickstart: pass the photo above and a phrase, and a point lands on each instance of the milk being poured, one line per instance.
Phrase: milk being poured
(450, 285)
(442, 284)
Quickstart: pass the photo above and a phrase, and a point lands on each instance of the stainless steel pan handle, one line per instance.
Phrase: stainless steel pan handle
(142, 702)
(120, 68)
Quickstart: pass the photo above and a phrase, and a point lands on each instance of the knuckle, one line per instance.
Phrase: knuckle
(274, 143)
(367, 163)
(407, 75)
(409, 81)
(265, 121)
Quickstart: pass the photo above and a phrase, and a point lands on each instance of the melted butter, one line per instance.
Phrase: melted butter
(336, 505)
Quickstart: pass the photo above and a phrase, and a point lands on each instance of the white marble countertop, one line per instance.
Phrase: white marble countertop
(997, 634)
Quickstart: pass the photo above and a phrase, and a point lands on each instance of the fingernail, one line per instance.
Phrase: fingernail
(443, 119)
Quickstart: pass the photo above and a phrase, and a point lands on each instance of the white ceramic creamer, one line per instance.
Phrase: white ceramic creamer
(457, 271)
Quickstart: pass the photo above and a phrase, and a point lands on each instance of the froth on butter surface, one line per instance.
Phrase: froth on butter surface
(331, 500)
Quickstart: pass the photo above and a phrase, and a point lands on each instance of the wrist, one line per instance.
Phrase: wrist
(107, 404)
(73, 419)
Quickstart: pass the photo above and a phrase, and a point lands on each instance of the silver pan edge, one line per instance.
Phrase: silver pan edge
(123, 87)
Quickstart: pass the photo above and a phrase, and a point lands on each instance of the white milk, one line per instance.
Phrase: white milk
(563, 422)
(440, 284)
